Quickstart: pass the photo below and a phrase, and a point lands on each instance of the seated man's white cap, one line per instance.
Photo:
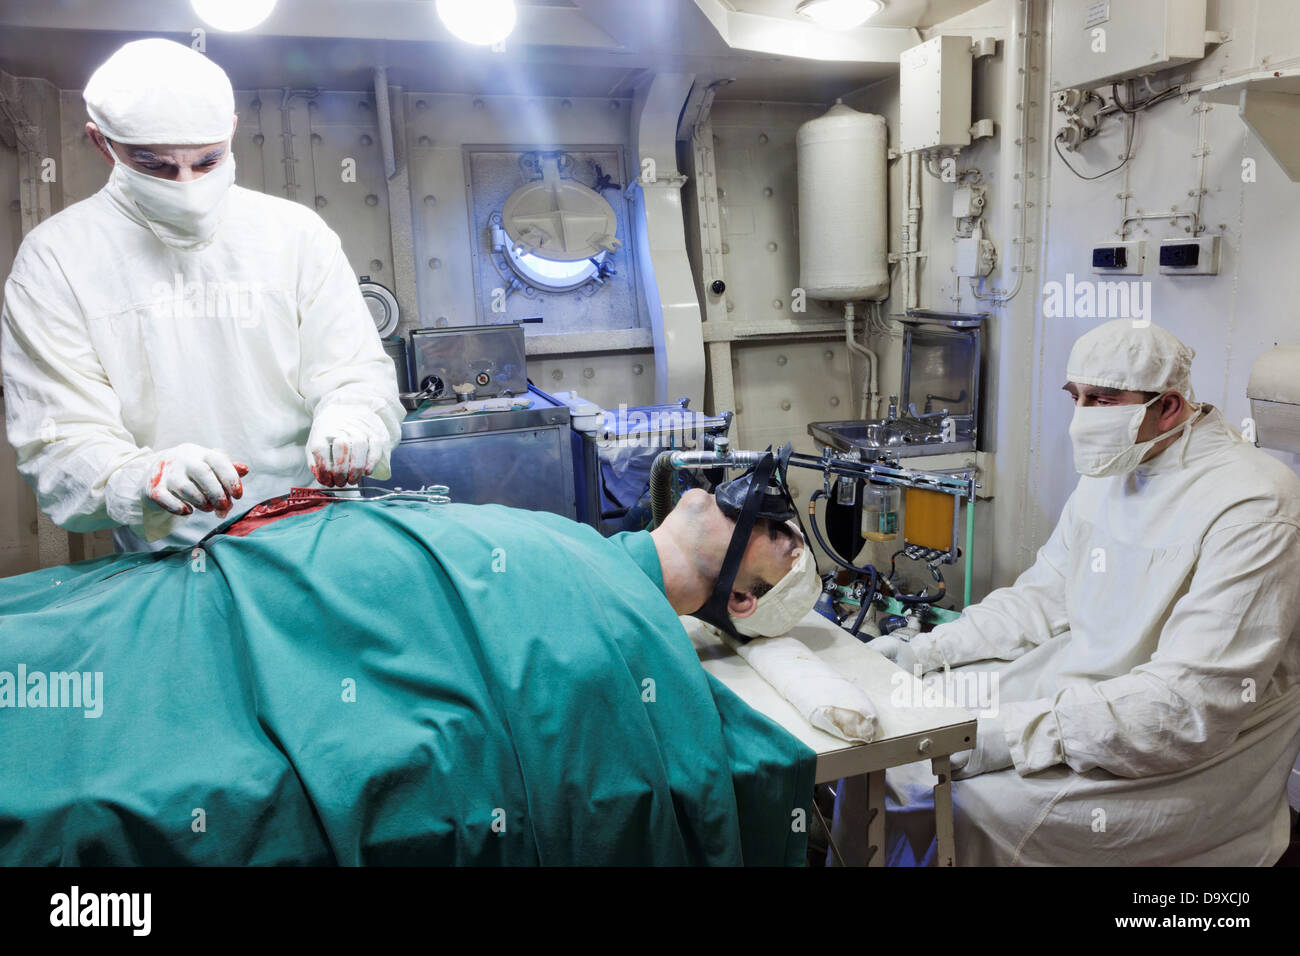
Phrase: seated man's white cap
(161, 92)
(1132, 358)
(789, 600)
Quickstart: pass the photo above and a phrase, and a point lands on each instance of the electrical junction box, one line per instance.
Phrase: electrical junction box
(935, 94)
(967, 202)
(974, 257)
(1096, 42)
(1120, 258)
(1190, 257)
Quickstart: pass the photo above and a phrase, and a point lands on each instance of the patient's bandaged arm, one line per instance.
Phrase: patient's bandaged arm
(823, 697)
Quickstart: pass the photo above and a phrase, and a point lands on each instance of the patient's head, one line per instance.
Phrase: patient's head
(692, 543)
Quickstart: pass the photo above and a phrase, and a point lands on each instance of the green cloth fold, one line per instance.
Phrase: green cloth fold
(384, 683)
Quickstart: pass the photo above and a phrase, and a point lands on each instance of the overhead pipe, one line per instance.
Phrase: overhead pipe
(384, 116)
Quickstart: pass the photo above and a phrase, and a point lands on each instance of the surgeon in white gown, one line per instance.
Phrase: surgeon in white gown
(176, 342)
(1149, 659)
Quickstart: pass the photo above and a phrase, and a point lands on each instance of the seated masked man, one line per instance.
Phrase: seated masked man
(1148, 706)
(326, 680)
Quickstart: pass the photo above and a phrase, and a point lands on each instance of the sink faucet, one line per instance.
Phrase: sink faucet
(893, 408)
(911, 407)
(930, 399)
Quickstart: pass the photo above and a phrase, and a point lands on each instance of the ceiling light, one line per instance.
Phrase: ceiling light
(233, 15)
(839, 14)
(481, 22)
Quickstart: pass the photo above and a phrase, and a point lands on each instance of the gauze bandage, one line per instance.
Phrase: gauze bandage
(790, 599)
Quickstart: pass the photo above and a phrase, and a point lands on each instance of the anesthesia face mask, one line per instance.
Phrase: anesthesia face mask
(758, 493)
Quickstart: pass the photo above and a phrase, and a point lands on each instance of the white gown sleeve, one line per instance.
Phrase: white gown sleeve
(1009, 621)
(1216, 656)
(344, 365)
(63, 417)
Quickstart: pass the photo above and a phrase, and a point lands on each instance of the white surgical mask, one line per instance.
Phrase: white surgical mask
(781, 608)
(1105, 438)
(183, 215)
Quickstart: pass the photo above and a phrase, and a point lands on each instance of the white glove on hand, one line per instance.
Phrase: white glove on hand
(990, 753)
(345, 444)
(186, 477)
(896, 650)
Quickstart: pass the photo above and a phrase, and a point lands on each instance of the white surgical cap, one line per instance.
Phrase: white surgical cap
(1133, 358)
(790, 599)
(160, 91)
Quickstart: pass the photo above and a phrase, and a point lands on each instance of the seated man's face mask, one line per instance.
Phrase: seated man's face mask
(1105, 438)
(183, 215)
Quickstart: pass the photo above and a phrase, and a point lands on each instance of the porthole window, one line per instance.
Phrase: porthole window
(555, 233)
(549, 275)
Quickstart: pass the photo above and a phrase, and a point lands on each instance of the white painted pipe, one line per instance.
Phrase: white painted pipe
(913, 299)
(911, 229)
(1022, 28)
(904, 233)
(870, 384)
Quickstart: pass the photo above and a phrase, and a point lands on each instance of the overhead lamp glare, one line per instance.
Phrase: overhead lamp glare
(839, 14)
(233, 15)
(480, 22)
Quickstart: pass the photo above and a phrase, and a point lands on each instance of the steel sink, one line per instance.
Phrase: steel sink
(898, 437)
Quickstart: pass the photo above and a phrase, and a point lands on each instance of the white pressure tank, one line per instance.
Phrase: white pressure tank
(843, 205)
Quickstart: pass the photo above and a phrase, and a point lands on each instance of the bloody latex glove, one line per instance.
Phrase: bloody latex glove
(189, 477)
(345, 445)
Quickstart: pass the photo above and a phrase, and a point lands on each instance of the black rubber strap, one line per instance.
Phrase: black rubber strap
(715, 610)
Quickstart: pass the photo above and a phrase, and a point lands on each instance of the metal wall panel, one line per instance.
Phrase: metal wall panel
(758, 193)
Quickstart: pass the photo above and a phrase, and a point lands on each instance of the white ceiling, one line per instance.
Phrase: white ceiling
(897, 13)
(560, 47)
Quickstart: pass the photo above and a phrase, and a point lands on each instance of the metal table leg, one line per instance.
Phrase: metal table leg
(876, 818)
(941, 768)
